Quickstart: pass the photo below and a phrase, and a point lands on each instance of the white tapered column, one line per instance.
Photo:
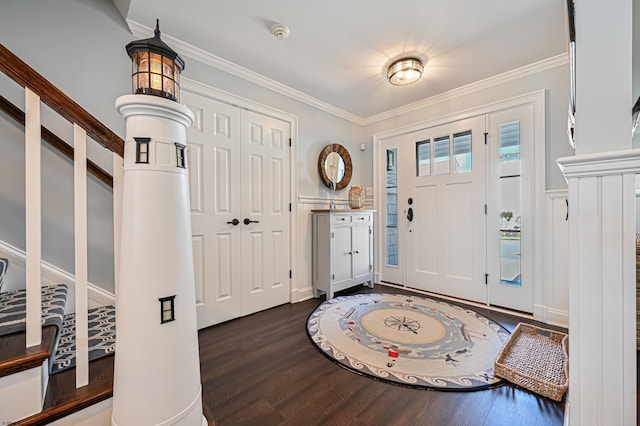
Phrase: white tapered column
(157, 367)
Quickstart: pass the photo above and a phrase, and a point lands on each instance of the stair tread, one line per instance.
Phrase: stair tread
(63, 398)
(16, 357)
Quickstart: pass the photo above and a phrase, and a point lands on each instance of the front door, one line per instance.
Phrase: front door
(444, 209)
(458, 208)
(239, 184)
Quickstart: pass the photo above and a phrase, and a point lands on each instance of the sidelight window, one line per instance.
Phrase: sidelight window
(510, 203)
(392, 207)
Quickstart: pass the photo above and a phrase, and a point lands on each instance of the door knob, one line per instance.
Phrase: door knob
(234, 222)
(248, 221)
(410, 214)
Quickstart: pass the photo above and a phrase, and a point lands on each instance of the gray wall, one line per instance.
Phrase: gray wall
(79, 46)
(316, 128)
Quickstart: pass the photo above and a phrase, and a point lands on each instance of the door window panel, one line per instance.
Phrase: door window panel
(392, 208)
(441, 152)
(510, 203)
(462, 152)
(423, 158)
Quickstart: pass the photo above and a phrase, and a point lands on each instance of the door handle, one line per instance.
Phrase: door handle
(248, 221)
(234, 222)
(410, 214)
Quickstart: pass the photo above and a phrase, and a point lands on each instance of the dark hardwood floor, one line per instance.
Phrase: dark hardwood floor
(263, 370)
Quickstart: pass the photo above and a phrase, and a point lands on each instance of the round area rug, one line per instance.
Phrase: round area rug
(409, 340)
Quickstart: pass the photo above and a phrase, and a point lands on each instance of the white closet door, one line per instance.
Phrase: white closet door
(239, 168)
(214, 176)
(265, 212)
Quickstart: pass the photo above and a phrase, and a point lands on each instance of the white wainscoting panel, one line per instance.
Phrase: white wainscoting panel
(555, 308)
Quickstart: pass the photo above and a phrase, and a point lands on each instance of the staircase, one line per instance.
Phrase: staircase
(29, 394)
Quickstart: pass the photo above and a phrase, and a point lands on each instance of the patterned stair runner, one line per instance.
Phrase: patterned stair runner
(102, 338)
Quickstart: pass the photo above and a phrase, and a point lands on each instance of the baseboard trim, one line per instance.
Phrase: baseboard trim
(302, 294)
(51, 274)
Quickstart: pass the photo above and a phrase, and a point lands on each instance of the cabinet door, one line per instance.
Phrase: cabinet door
(341, 254)
(361, 239)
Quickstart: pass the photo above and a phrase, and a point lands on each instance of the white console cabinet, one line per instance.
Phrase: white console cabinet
(342, 250)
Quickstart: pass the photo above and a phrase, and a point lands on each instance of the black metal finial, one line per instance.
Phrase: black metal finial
(157, 30)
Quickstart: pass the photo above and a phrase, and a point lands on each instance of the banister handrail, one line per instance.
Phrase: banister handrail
(48, 136)
(57, 100)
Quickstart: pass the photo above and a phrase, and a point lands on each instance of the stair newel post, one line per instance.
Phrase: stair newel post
(157, 364)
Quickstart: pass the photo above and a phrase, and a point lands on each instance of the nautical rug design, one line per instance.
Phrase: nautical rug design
(101, 332)
(409, 340)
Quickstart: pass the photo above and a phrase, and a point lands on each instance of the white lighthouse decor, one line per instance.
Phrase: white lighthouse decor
(157, 366)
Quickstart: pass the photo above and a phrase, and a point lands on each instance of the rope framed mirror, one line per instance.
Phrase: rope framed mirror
(334, 165)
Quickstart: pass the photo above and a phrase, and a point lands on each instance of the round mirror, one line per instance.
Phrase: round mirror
(334, 166)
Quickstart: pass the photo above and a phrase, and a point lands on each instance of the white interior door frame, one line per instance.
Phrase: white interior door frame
(538, 99)
(199, 88)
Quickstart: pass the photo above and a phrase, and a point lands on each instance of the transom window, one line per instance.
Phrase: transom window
(443, 162)
(423, 158)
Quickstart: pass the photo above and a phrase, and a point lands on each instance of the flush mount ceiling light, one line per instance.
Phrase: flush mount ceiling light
(405, 71)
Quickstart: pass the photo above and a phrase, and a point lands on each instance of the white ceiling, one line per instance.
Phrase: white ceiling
(338, 50)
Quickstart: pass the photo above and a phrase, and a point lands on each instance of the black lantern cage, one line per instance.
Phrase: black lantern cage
(156, 67)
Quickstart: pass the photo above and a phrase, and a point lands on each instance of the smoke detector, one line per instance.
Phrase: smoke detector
(280, 31)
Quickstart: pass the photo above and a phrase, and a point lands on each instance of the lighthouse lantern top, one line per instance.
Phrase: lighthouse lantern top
(156, 67)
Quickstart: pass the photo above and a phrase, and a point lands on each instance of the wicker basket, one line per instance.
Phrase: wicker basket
(536, 359)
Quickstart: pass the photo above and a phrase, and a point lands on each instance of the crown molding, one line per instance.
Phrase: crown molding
(200, 55)
(505, 77)
(611, 163)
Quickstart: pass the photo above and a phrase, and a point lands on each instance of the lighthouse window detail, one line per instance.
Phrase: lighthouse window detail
(167, 309)
(142, 150)
(180, 161)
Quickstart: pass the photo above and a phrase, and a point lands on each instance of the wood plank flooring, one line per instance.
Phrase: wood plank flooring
(263, 370)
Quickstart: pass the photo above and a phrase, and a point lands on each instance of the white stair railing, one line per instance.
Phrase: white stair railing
(81, 267)
(37, 90)
(33, 213)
